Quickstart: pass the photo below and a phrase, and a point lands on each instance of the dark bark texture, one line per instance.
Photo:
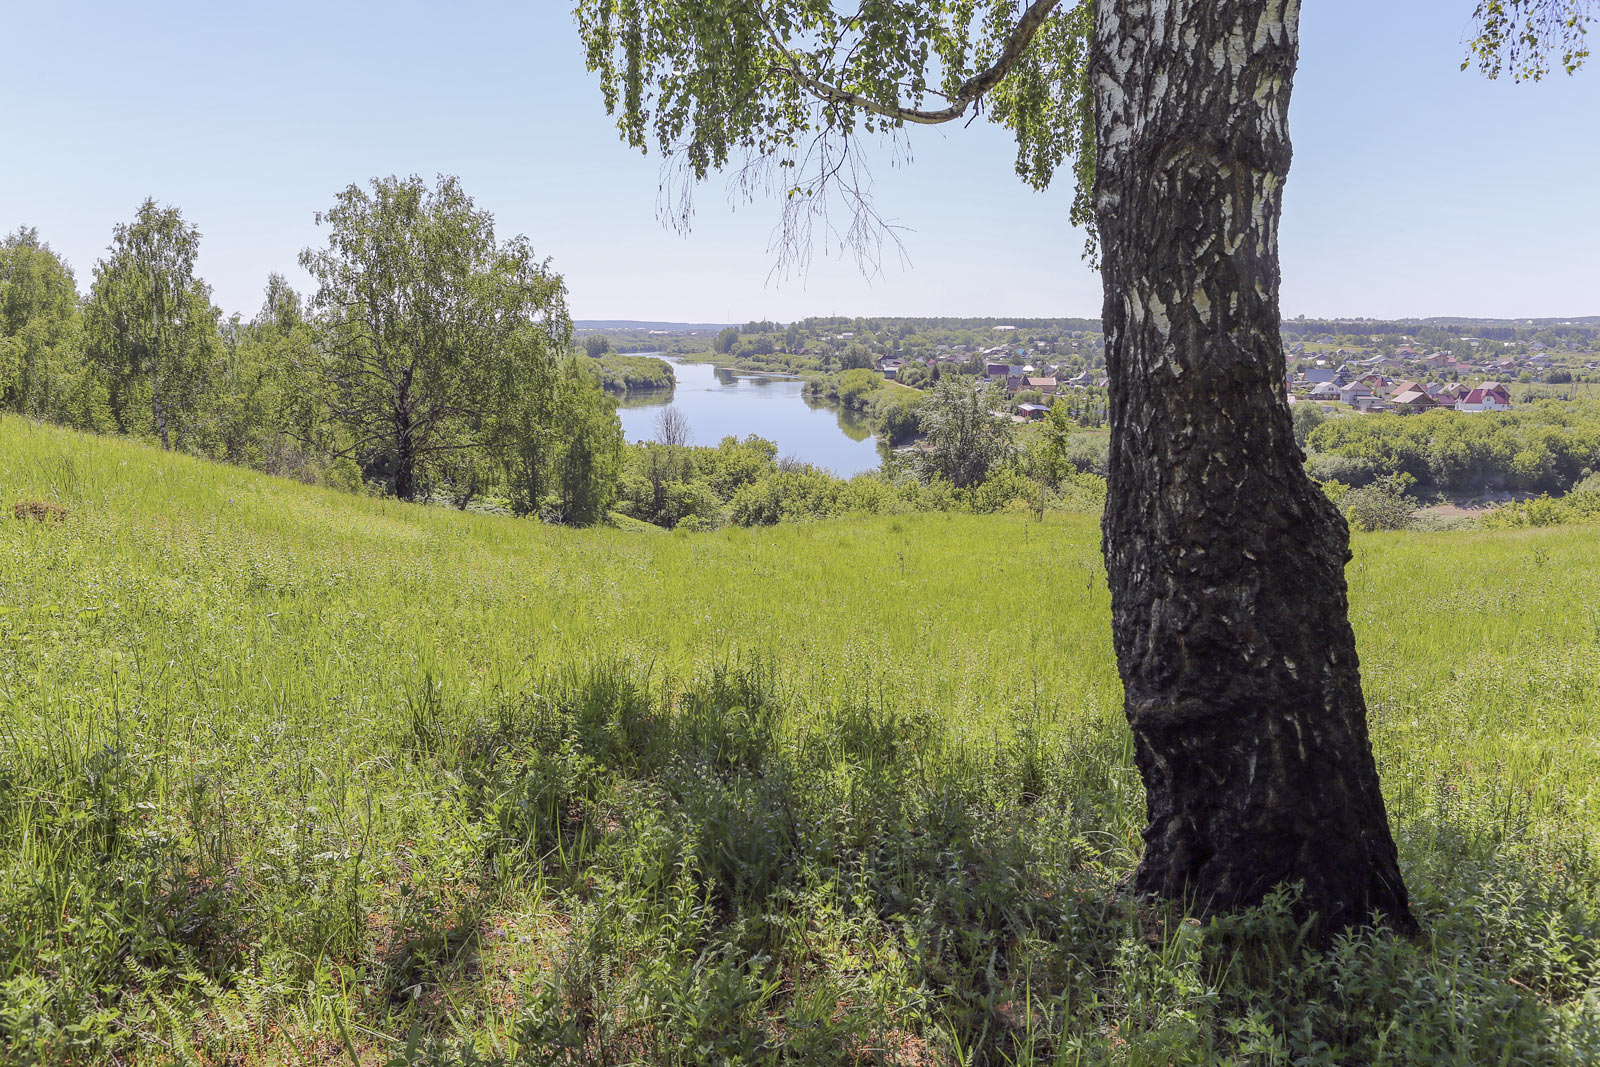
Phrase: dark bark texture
(1226, 564)
(405, 454)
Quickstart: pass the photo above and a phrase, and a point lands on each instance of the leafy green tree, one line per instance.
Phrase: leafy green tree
(40, 328)
(856, 356)
(1307, 417)
(858, 387)
(736, 463)
(283, 309)
(726, 340)
(590, 459)
(896, 415)
(563, 452)
(596, 345)
(433, 331)
(264, 407)
(1053, 445)
(963, 440)
(914, 375)
(1250, 727)
(150, 325)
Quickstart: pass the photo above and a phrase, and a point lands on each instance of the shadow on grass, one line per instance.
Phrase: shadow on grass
(749, 882)
(740, 878)
(745, 881)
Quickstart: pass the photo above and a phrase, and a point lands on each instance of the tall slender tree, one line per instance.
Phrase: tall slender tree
(1226, 565)
(150, 323)
(40, 327)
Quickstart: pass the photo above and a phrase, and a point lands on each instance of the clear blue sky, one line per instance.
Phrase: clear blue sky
(1417, 189)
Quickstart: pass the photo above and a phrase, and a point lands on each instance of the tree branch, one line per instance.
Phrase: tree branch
(971, 89)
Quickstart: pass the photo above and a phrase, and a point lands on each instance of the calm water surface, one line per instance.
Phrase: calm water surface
(718, 402)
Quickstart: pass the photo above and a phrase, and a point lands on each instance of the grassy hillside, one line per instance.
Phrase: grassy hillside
(290, 776)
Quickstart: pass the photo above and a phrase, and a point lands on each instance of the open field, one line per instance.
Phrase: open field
(1523, 393)
(292, 776)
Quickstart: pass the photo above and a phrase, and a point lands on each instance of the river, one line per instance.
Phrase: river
(718, 402)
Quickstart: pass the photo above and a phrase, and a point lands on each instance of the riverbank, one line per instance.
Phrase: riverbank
(778, 363)
(718, 401)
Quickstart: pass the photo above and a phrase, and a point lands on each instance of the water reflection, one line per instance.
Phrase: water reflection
(853, 424)
(645, 398)
(719, 402)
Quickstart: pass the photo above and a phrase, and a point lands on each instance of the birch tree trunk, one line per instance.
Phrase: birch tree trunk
(155, 377)
(1226, 564)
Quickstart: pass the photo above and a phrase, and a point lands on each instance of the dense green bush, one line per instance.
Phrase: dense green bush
(1307, 417)
(1545, 446)
(622, 374)
(1090, 453)
(896, 415)
(1544, 511)
(1346, 470)
(1383, 505)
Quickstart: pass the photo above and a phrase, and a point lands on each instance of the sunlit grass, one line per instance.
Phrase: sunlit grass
(289, 773)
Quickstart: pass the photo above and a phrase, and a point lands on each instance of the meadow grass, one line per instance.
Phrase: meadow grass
(294, 776)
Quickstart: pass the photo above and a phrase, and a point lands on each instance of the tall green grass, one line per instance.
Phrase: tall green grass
(289, 775)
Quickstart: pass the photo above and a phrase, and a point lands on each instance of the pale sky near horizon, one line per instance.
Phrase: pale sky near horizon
(1417, 189)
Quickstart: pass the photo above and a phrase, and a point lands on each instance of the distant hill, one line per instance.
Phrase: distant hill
(1452, 320)
(1580, 320)
(595, 325)
(602, 325)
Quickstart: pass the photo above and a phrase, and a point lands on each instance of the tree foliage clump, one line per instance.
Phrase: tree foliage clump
(784, 88)
(1383, 505)
(40, 328)
(435, 334)
(1548, 446)
(1523, 37)
(563, 448)
(962, 439)
(150, 325)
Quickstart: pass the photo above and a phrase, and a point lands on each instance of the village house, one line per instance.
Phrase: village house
(1490, 396)
(1033, 412)
(1354, 392)
(1047, 386)
(1411, 398)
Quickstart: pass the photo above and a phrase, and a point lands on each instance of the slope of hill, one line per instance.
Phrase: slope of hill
(291, 775)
